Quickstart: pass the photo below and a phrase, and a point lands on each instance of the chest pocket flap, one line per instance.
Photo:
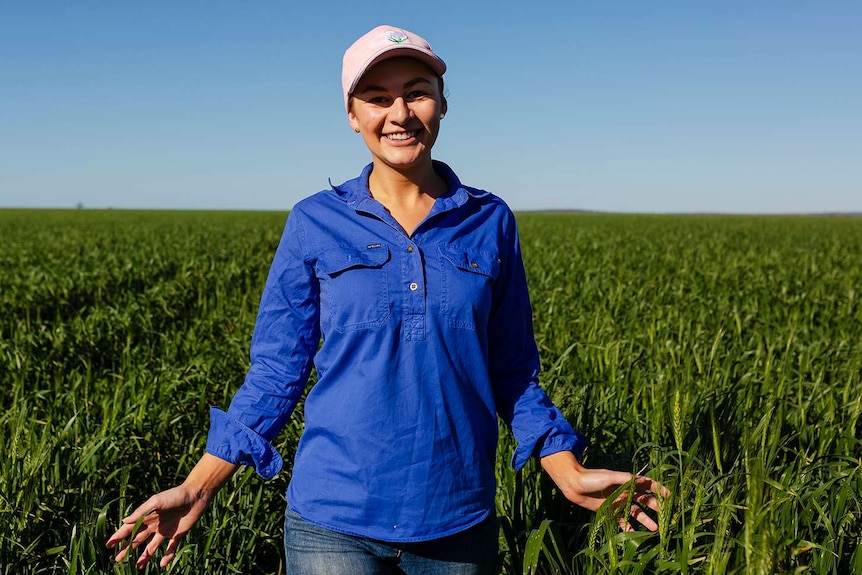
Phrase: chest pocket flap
(473, 261)
(335, 261)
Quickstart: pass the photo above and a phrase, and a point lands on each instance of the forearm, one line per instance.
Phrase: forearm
(539, 427)
(208, 476)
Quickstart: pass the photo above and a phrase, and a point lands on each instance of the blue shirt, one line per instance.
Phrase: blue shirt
(426, 339)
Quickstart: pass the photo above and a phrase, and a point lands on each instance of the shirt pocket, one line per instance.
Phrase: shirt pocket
(353, 287)
(468, 275)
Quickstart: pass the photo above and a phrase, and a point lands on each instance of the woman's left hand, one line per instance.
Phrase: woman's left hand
(589, 488)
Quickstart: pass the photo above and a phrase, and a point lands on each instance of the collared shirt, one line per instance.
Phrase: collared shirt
(426, 339)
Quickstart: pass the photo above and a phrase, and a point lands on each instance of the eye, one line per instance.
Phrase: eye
(416, 94)
(378, 100)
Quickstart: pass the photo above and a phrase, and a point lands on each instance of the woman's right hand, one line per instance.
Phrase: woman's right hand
(169, 515)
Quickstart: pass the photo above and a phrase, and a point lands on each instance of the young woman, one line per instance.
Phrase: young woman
(416, 284)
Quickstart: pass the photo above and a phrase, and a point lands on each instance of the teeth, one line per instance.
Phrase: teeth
(401, 135)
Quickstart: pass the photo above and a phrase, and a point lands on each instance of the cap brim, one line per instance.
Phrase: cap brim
(425, 56)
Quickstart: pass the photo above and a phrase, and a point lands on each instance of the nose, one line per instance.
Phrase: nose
(399, 112)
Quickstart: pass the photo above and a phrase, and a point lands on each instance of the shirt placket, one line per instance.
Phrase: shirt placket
(413, 281)
(414, 290)
(411, 273)
(413, 276)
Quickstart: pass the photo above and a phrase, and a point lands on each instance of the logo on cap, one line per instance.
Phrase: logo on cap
(396, 37)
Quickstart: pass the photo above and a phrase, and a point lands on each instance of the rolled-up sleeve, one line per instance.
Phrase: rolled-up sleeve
(286, 335)
(536, 423)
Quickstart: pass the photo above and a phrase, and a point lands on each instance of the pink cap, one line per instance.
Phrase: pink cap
(380, 44)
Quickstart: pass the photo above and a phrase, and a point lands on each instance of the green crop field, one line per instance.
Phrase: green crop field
(723, 354)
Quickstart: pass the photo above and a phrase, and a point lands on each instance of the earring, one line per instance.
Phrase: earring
(442, 115)
(356, 130)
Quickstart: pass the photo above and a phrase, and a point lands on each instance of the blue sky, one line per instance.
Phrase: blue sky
(744, 107)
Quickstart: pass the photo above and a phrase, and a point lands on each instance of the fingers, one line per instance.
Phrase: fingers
(641, 516)
(144, 509)
(121, 554)
(647, 500)
(123, 533)
(149, 551)
(128, 522)
(643, 483)
(140, 538)
(128, 546)
(643, 502)
(170, 552)
(141, 518)
(624, 524)
(120, 534)
(151, 548)
(612, 480)
(634, 497)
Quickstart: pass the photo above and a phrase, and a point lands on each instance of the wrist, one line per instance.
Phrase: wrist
(208, 476)
(565, 470)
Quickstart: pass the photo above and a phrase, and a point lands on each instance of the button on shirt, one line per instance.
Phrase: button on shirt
(426, 339)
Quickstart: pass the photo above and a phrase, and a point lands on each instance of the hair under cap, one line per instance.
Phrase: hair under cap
(380, 44)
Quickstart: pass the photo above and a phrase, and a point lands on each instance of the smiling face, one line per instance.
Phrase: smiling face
(396, 107)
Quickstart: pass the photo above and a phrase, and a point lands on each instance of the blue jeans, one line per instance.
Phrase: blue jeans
(313, 550)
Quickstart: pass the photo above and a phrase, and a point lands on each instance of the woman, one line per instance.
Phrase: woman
(416, 284)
